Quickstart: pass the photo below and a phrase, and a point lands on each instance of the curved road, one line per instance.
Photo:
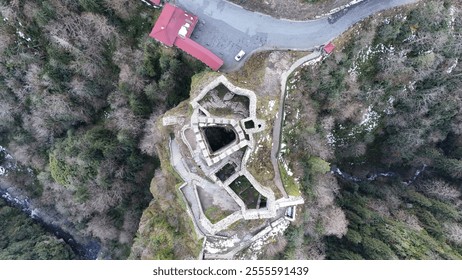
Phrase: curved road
(226, 28)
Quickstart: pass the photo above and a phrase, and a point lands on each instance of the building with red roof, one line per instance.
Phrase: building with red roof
(329, 48)
(174, 28)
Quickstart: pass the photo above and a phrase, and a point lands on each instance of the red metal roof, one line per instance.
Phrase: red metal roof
(199, 52)
(170, 22)
(155, 2)
(329, 48)
(166, 30)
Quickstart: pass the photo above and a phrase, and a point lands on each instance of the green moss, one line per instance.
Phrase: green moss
(317, 165)
(166, 230)
(216, 214)
(292, 187)
(252, 75)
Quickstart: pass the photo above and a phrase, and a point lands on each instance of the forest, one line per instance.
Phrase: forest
(81, 86)
(22, 239)
(384, 108)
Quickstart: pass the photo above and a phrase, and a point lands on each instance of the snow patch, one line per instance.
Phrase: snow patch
(266, 236)
(221, 246)
(390, 109)
(449, 71)
(313, 61)
(365, 54)
(333, 11)
(34, 213)
(452, 12)
(271, 104)
(331, 138)
(286, 167)
(370, 119)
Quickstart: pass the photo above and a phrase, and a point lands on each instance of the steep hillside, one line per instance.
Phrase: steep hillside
(81, 85)
(385, 111)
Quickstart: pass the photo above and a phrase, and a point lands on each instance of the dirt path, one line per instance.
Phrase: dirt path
(278, 122)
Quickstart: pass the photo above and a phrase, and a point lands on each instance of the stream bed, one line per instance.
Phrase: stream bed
(84, 247)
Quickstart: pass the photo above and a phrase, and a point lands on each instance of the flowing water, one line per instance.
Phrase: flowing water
(84, 248)
(372, 177)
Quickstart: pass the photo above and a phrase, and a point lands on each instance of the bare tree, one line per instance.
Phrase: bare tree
(454, 232)
(5, 40)
(440, 189)
(275, 247)
(409, 219)
(151, 136)
(103, 228)
(334, 221)
(326, 188)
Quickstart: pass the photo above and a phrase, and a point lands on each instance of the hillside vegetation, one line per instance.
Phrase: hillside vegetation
(81, 86)
(23, 239)
(387, 101)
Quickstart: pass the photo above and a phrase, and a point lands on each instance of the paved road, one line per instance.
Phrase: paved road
(225, 28)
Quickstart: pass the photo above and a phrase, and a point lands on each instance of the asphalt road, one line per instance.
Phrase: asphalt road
(226, 28)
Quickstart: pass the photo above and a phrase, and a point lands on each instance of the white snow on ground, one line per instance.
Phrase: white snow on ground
(222, 245)
(271, 104)
(34, 213)
(313, 61)
(7, 155)
(449, 71)
(9, 165)
(339, 8)
(364, 54)
(255, 249)
(452, 12)
(23, 36)
(283, 147)
(331, 139)
(286, 167)
(370, 119)
(258, 147)
(390, 109)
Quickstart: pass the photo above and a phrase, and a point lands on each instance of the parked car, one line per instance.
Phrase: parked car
(239, 55)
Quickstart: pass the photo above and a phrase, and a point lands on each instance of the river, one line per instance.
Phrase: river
(372, 177)
(86, 249)
(83, 247)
